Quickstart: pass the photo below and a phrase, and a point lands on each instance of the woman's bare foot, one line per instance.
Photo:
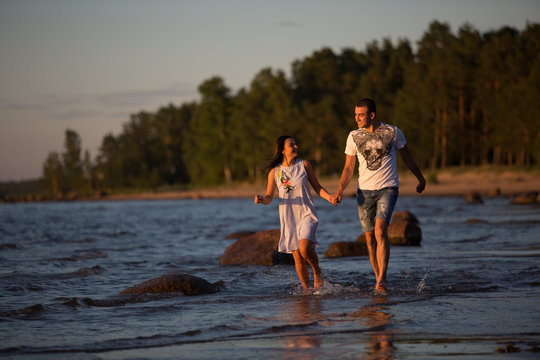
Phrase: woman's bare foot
(317, 281)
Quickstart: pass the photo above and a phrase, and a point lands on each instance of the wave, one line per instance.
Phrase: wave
(119, 233)
(60, 239)
(29, 310)
(84, 272)
(28, 281)
(75, 302)
(190, 337)
(119, 301)
(292, 327)
(96, 254)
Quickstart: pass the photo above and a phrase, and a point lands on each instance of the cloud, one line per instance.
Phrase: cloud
(73, 114)
(42, 103)
(83, 107)
(176, 92)
(22, 106)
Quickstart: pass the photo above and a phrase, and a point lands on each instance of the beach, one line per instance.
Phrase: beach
(448, 183)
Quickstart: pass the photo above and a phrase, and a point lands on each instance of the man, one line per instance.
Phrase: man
(375, 144)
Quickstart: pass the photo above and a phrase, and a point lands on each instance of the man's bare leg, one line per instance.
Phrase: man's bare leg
(371, 243)
(383, 249)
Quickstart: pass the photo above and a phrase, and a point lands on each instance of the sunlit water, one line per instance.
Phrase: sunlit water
(470, 288)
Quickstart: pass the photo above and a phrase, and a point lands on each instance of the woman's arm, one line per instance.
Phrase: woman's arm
(270, 188)
(319, 190)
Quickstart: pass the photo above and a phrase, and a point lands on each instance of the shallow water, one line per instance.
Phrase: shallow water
(469, 289)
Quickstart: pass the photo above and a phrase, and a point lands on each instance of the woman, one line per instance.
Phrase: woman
(297, 214)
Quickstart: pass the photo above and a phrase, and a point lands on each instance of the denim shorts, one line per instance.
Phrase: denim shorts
(374, 204)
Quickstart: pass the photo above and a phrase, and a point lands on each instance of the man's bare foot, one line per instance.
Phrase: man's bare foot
(380, 289)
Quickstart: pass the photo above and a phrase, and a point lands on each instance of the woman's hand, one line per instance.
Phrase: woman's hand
(332, 199)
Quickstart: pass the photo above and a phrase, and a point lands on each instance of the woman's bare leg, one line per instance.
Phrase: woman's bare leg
(309, 254)
(301, 268)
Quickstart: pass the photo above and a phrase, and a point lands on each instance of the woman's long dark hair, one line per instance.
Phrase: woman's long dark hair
(278, 153)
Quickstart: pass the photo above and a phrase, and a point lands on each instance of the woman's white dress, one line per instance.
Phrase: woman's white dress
(297, 214)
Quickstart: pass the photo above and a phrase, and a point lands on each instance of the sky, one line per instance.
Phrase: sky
(88, 65)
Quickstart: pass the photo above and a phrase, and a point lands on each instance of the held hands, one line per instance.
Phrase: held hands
(335, 198)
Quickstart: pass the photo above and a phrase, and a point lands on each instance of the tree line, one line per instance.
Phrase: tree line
(462, 98)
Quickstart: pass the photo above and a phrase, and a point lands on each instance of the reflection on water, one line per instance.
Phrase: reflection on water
(376, 316)
(309, 327)
(381, 346)
(306, 310)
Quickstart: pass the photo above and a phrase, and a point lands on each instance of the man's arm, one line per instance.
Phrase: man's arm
(346, 176)
(411, 164)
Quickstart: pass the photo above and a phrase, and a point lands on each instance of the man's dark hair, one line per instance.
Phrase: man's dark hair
(370, 104)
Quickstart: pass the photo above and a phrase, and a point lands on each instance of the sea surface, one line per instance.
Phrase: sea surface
(470, 291)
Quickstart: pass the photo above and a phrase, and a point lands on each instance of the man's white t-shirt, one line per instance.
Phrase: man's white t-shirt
(376, 152)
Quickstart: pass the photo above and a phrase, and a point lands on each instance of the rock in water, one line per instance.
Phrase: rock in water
(187, 284)
(259, 248)
(474, 197)
(239, 234)
(405, 215)
(525, 199)
(404, 233)
(346, 248)
(403, 230)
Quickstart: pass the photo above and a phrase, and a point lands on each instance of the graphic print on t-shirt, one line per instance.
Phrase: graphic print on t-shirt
(375, 146)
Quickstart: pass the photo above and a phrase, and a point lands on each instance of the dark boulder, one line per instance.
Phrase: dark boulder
(187, 284)
(346, 248)
(404, 233)
(403, 230)
(400, 216)
(239, 234)
(259, 248)
(474, 198)
(526, 198)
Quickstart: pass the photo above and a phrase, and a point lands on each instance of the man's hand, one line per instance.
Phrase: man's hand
(421, 186)
(335, 198)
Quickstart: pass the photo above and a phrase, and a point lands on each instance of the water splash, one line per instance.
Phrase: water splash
(422, 284)
(328, 288)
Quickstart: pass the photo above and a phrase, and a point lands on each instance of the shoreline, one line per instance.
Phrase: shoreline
(448, 183)
(451, 182)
